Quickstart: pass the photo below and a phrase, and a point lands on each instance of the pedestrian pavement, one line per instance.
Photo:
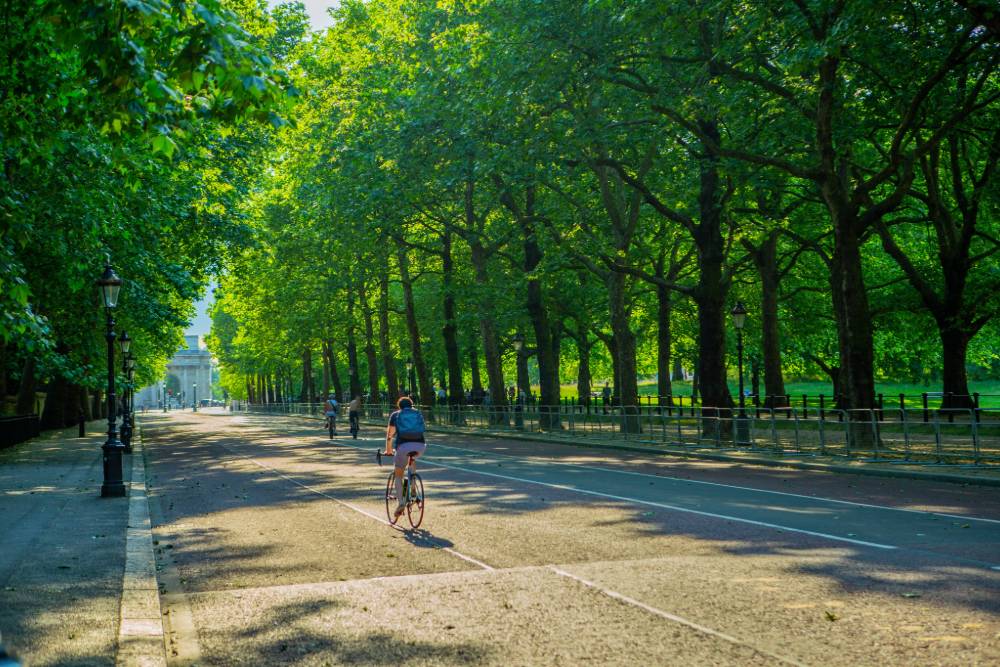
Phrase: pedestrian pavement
(77, 575)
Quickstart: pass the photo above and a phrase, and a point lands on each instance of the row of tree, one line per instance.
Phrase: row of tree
(610, 177)
(128, 130)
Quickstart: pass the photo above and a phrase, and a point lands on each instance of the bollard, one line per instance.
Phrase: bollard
(81, 426)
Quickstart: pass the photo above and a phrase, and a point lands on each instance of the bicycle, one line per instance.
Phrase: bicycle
(331, 424)
(355, 424)
(413, 491)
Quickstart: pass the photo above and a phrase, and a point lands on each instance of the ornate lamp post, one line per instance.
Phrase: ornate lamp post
(113, 487)
(124, 345)
(163, 395)
(130, 401)
(522, 381)
(194, 399)
(739, 313)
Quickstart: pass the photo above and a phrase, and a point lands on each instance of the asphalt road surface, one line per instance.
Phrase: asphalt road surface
(273, 548)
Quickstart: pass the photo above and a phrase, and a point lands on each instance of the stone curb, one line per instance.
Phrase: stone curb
(857, 469)
(140, 634)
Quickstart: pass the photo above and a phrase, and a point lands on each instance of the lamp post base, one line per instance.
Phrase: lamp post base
(113, 486)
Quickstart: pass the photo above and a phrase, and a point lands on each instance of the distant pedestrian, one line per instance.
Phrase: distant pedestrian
(606, 397)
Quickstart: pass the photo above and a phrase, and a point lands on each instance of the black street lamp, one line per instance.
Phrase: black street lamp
(125, 344)
(130, 402)
(194, 399)
(411, 377)
(739, 313)
(522, 367)
(163, 395)
(113, 487)
(522, 380)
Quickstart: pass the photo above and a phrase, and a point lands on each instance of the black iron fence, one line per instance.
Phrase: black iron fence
(14, 430)
(934, 436)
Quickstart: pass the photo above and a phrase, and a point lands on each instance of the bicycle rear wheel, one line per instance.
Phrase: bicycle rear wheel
(415, 506)
(390, 499)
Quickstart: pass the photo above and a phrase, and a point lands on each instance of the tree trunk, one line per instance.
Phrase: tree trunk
(854, 334)
(449, 330)
(477, 380)
(548, 368)
(26, 390)
(391, 380)
(583, 379)
(352, 346)
(664, 305)
(955, 382)
(3, 370)
(331, 356)
(86, 403)
(308, 393)
(626, 380)
(712, 291)
(678, 370)
(426, 393)
(366, 311)
(766, 259)
(487, 329)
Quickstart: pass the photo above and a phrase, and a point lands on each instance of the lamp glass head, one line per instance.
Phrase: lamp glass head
(124, 342)
(518, 341)
(739, 314)
(110, 285)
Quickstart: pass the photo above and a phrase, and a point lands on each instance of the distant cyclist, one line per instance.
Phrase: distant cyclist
(330, 409)
(354, 414)
(405, 435)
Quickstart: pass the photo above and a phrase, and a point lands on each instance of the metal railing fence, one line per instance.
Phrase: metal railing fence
(952, 437)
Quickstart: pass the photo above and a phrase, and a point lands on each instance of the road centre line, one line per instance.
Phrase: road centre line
(368, 514)
(676, 508)
(961, 517)
(670, 617)
(728, 486)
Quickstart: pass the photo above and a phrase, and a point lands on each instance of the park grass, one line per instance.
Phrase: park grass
(989, 391)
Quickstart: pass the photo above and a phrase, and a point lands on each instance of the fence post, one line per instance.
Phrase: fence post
(902, 403)
(822, 407)
(950, 403)
(805, 406)
(881, 407)
(975, 406)
(927, 414)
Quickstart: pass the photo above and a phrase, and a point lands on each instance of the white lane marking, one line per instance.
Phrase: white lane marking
(368, 514)
(728, 486)
(676, 508)
(670, 617)
(650, 503)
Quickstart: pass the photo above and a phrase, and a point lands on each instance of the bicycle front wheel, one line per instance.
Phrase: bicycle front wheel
(415, 506)
(390, 499)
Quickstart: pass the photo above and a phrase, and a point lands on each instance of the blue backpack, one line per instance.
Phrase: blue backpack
(410, 424)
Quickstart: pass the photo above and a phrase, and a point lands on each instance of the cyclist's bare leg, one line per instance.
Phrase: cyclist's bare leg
(400, 501)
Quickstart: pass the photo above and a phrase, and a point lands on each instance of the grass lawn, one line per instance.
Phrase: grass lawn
(989, 391)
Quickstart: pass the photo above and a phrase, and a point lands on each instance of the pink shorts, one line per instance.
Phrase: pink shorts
(402, 454)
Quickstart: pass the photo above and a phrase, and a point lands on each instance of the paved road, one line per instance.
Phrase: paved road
(273, 548)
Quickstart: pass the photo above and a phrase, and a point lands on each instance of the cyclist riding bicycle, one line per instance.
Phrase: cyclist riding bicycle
(330, 410)
(354, 414)
(405, 435)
